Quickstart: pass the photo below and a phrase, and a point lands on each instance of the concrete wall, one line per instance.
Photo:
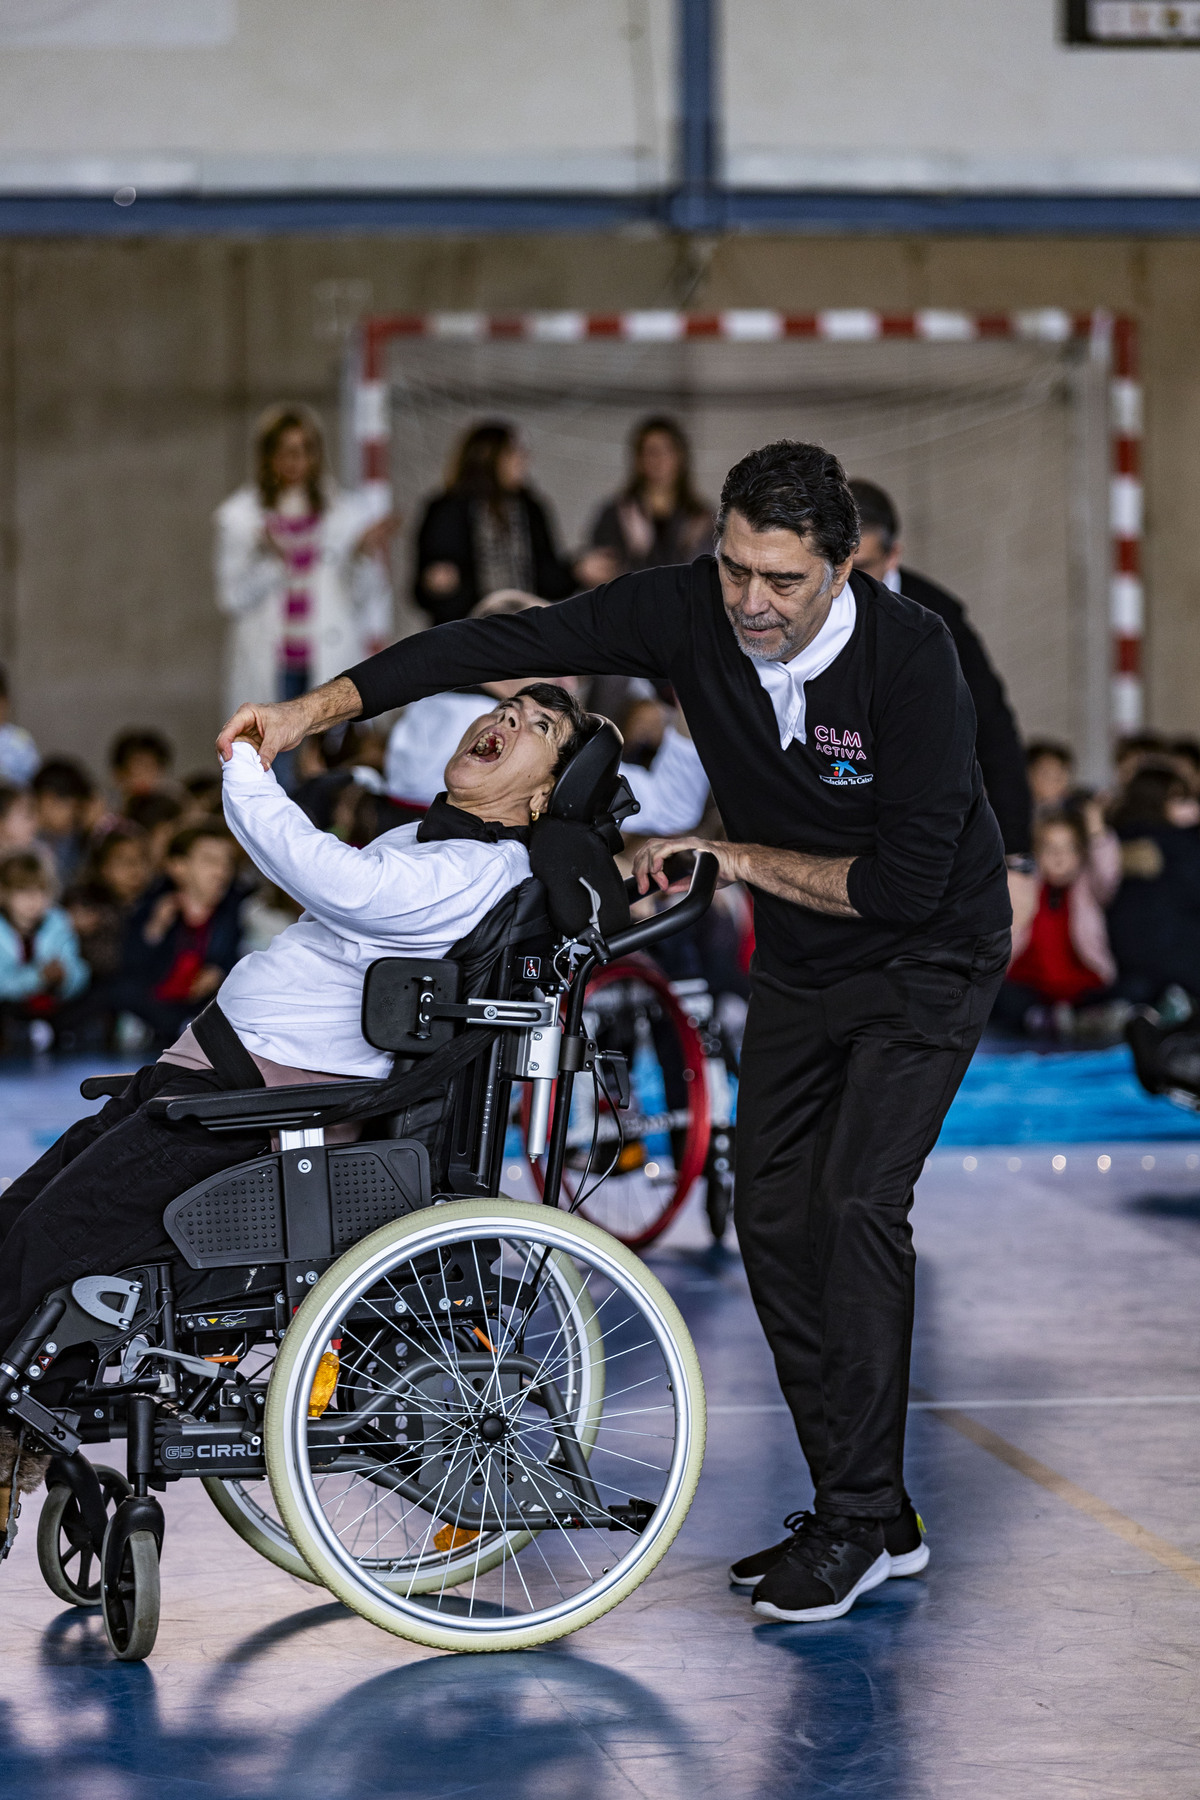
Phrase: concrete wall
(272, 94)
(130, 373)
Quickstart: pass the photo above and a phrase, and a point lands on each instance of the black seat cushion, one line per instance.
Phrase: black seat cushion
(582, 882)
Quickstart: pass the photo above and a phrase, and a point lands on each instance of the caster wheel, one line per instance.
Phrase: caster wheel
(68, 1556)
(129, 1582)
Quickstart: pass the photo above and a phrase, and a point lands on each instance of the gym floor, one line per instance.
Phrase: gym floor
(1048, 1651)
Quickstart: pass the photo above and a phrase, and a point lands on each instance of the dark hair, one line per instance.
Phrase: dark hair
(64, 778)
(789, 486)
(149, 810)
(475, 466)
(184, 841)
(876, 511)
(205, 789)
(1036, 748)
(108, 843)
(1069, 820)
(557, 699)
(128, 744)
(271, 427)
(1186, 747)
(3, 682)
(1139, 743)
(1144, 801)
(24, 870)
(685, 499)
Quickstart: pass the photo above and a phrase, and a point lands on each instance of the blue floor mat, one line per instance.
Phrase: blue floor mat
(1069, 1097)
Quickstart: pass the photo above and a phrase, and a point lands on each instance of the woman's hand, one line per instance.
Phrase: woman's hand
(648, 862)
(376, 538)
(53, 975)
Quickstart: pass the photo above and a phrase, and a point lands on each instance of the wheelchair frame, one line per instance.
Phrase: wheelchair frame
(256, 1240)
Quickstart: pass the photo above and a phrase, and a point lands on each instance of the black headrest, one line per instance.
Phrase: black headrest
(584, 791)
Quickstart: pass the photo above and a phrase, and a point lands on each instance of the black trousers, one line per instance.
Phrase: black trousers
(842, 1095)
(94, 1202)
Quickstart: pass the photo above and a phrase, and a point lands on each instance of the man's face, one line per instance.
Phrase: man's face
(777, 588)
(875, 555)
(504, 765)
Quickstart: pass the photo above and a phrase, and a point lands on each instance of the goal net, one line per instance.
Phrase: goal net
(995, 451)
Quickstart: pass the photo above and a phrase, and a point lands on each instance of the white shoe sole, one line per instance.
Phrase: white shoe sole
(913, 1562)
(878, 1572)
(746, 1581)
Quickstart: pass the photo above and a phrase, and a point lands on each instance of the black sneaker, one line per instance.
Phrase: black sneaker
(829, 1564)
(904, 1541)
(750, 1571)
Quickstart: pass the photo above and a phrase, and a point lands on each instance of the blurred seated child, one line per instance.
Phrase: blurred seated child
(1061, 957)
(101, 902)
(19, 757)
(1154, 922)
(1051, 769)
(40, 964)
(140, 763)
(65, 798)
(160, 818)
(201, 797)
(183, 938)
(18, 819)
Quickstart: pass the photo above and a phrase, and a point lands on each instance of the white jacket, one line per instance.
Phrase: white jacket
(352, 599)
(299, 1001)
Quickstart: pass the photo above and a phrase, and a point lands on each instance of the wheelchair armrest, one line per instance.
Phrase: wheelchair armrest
(104, 1087)
(692, 907)
(247, 1109)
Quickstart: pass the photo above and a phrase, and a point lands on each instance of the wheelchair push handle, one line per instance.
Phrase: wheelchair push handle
(692, 907)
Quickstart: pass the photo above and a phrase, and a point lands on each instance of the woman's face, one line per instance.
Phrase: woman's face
(512, 467)
(294, 462)
(505, 763)
(658, 460)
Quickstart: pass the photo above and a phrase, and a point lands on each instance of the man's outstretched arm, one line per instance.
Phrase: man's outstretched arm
(630, 627)
(817, 882)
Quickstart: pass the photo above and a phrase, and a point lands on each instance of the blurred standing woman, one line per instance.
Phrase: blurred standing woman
(488, 530)
(658, 517)
(300, 567)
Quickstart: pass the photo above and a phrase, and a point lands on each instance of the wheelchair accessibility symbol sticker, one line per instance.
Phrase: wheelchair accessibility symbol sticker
(532, 968)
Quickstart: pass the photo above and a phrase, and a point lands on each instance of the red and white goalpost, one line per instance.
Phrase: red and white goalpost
(999, 433)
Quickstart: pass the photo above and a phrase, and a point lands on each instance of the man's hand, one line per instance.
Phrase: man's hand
(817, 882)
(275, 726)
(648, 863)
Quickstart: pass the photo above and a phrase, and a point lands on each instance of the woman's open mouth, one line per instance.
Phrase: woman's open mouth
(488, 747)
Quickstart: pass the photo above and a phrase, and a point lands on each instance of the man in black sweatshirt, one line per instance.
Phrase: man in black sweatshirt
(839, 739)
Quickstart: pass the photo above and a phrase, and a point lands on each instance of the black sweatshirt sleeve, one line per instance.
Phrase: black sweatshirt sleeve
(924, 787)
(631, 626)
(997, 743)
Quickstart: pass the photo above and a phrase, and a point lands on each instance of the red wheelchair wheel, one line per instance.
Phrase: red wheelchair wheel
(630, 1008)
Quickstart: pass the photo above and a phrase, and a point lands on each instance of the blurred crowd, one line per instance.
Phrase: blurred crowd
(124, 901)
(1111, 920)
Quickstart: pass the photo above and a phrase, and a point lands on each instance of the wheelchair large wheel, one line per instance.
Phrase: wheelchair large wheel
(67, 1555)
(630, 1008)
(455, 1417)
(248, 1506)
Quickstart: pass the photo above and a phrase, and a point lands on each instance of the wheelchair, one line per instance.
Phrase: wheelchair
(478, 1422)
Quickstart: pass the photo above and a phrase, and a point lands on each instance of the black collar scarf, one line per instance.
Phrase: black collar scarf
(446, 821)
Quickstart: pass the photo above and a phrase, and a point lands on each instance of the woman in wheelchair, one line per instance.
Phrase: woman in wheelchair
(389, 1396)
(95, 1200)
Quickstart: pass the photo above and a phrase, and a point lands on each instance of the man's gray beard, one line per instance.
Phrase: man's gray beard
(756, 650)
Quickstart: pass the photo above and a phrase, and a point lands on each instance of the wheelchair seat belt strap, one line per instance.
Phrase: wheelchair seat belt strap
(232, 1063)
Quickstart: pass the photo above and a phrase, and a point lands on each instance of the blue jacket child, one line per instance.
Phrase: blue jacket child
(39, 951)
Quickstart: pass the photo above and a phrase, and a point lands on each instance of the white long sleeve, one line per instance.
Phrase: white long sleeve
(299, 1001)
(672, 792)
